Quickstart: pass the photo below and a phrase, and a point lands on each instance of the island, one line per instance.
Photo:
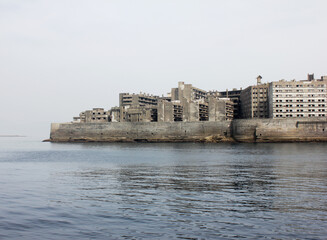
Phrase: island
(279, 111)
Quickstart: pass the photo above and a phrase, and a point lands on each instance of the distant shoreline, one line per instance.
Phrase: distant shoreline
(12, 136)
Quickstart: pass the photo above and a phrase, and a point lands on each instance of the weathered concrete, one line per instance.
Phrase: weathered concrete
(143, 132)
(280, 130)
(242, 130)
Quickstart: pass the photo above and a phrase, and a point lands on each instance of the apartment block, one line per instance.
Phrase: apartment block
(94, 115)
(170, 111)
(188, 92)
(298, 99)
(138, 114)
(142, 99)
(234, 95)
(220, 109)
(254, 100)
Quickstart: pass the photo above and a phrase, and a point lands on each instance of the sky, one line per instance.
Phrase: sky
(59, 58)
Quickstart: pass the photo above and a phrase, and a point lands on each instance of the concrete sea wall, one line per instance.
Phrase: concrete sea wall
(242, 130)
(142, 131)
(281, 130)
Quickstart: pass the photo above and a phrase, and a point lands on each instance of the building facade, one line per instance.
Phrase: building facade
(142, 99)
(278, 99)
(220, 109)
(298, 99)
(95, 115)
(234, 95)
(191, 104)
(254, 100)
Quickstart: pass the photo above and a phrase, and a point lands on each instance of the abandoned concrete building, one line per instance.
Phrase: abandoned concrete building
(298, 99)
(142, 99)
(136, 108)
(184, 103)
(234, 95)
(254, 100)
(278, 99)
(94, 115)
(191, 104)
(285, 99)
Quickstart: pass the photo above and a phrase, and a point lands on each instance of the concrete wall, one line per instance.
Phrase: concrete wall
(279, 130)
(242, 130)
(165, 111)
(152, 131)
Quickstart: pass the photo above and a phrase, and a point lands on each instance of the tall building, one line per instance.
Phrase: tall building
(136, 108)
(234, 95)
(191, 104)
(298, 99)
(254, 100)
(187, 92)
(220, 109)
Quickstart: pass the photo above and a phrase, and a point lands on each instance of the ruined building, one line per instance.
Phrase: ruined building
(254, 100)
(94, 115)
(234, 95)
(137, 108)
(186, 103)
(191, 104)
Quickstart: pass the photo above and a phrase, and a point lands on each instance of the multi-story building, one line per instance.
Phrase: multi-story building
(220, 109)
(138, 114)
(191, 104)
(278, 99)
(187, 92)
(254, 100)
(137, 108)
(234, 95)
(142, 99)
(298, 99)
(170, 111)
(94, 115)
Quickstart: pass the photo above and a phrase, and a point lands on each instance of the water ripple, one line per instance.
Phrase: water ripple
(153, 191)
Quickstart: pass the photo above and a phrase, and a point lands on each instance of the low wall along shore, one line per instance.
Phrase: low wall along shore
(241, 130)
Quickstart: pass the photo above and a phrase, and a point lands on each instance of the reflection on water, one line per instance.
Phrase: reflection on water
(164, 191)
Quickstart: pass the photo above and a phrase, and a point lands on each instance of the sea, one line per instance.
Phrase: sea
(162, 190)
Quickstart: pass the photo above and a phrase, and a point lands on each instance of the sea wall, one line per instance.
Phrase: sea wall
(142, 132)
(280, 130)
(242, 130)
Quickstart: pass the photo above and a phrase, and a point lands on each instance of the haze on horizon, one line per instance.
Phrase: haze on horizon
(59, 58)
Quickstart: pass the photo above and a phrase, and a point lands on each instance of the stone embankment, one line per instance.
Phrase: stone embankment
(242, 130)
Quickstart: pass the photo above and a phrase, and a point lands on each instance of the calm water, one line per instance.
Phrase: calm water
(162, 191)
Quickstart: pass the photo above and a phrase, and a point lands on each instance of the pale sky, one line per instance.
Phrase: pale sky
(61, 57)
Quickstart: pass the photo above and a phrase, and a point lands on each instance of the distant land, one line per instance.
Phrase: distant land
(12, 136)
